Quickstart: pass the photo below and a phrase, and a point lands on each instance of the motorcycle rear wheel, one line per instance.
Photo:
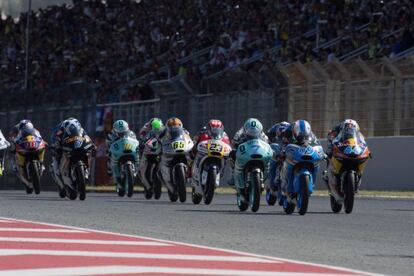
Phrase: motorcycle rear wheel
(336, 207)
(172, 196)
(156, 185)
(270, 197)
(196, 197)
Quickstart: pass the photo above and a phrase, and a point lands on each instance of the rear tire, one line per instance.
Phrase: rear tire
(349, 192)
(172, 196)
(270, 197)
(210, 185)
(196, 197)
(28, 190)
(35, 176)
(180, 181)
(121, 192)
(147, 193)
(303, 196)
(62, 192)
(255, 190)
(288, 207)
(81, 181)
(72, 194)
(129, 180)
(336, 207)
(242, 204)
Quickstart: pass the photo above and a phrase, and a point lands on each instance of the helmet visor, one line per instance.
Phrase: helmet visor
(176, 133)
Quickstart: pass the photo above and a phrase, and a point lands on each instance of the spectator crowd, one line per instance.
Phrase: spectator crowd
(109, 43)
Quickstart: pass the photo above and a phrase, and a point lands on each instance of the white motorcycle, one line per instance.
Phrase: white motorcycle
(148, 167)
(174, 163)
(207, 169)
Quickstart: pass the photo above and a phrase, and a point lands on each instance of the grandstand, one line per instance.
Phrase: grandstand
(105, 52)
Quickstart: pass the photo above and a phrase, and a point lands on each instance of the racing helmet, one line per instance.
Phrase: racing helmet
(281, 128)
(349, 123)
(215, 128)
(174, 122)
(72, 127)
(253, 128)
(156, 125)
(120, 128)
(301, 131)
(26, 127)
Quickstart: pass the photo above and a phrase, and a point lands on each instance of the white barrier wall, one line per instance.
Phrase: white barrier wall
(391, 166)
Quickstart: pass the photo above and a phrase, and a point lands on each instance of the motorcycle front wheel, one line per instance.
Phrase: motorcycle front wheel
(349, 194)
(180, 181)
(129, 179)
(210, 185)
(35, 175)
(81, 181)
(303, 196)
(255, 190)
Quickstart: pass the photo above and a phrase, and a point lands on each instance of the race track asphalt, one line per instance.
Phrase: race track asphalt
(377, 237)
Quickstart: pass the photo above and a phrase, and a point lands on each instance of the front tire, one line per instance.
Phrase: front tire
(129, 179)
(303, 196)
(349, 194)
(180, 181)
(210, 185)
(255, 190)
(81, 181)
(35, 176)
(196, 197)
(336, 207)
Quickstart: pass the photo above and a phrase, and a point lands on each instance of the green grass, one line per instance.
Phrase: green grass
(408, 194)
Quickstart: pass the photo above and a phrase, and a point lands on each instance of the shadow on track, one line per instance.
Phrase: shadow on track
(233, 212)
(400, 210)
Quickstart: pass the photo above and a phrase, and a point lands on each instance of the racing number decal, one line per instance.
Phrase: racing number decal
(216, 147)
(128, 146)
(242, 149)
(178, 145)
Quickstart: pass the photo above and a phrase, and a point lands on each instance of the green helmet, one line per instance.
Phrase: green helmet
(253, 127)
(156, 124)
(121, 128)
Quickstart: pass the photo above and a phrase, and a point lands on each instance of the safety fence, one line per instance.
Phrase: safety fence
(378, 94)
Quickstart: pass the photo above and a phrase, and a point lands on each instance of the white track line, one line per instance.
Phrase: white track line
(17, 252)
(84, 241)
(6, 221)
(104, 270)
(200, 246)
(40, 230)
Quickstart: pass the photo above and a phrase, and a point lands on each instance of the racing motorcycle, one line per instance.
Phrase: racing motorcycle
(124, 160)
(207, 168)
(148, 167)
(4, 144)
(349, 155)
(30, 151)
(74, 165)
(251, 168)
(174, 164)
(299, 173)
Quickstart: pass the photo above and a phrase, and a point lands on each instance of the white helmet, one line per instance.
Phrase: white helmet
(301, 130)
(349, 123)
(253, 127)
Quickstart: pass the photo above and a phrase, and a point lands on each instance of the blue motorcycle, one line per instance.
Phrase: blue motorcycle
(251, 167)
(299, 174)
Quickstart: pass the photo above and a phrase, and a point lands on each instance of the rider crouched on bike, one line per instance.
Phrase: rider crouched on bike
(67, 128)
(301, 133)
(23, 128)
(213, 130)
(280, 134)
(151, 129)
(346, 125)
(252, 129)
(120, 129)
(172, 126)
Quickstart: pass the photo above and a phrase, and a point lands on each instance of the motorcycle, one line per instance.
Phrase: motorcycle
(207, 168)
(4, 144)
(74, 165)
(251, 168)
(349, 155)
(174, 164)
(273, 186)
(124, 160)
(298, 175)
(30, 151)
(148, 167)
